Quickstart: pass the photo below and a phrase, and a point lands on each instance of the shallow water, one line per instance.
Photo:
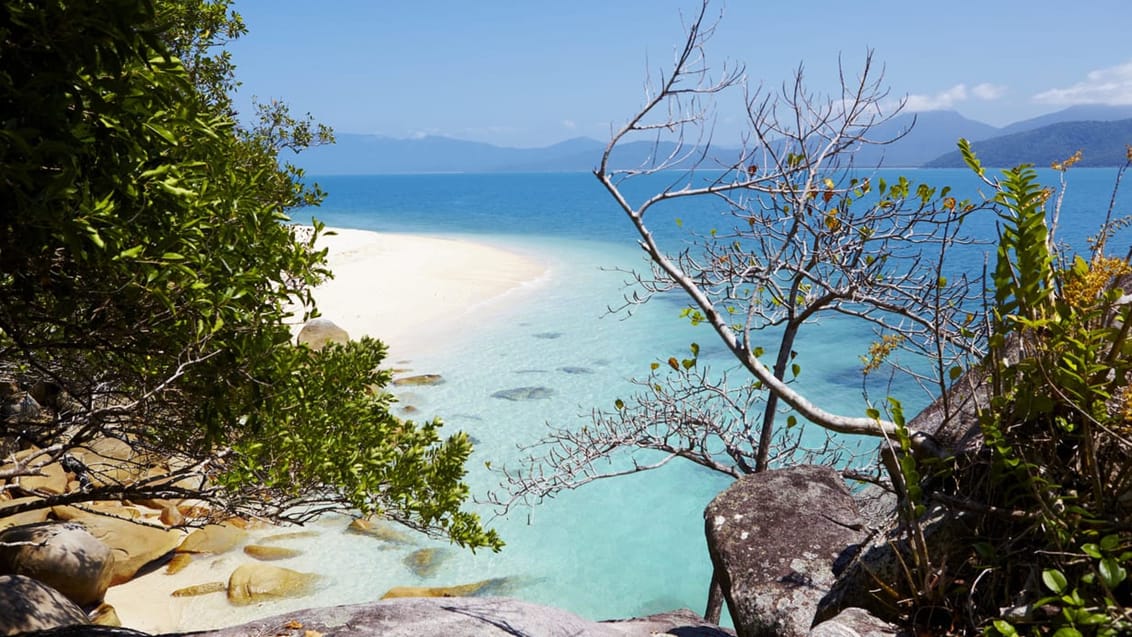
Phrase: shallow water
(616, 548)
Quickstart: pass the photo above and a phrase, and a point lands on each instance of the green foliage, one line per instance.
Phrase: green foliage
(1053, 490)
(147, 266)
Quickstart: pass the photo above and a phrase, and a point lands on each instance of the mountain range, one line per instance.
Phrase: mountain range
(924, 139)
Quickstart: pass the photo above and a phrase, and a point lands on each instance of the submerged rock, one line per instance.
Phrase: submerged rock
(425, 562)
(575, 370)
(379, 529)
(259, 582)
(482, 587)
(419, 380)
(548, 335)
(524, 393)
(200, 589)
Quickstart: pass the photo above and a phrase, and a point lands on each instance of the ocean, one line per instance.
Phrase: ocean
(615, 548)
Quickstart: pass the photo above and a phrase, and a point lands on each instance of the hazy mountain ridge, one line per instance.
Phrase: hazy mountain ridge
(925, 139)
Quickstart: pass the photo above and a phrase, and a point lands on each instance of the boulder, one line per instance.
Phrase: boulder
(27, 604)
(317, 333)
(178, 562)
(64, 556)
(467, 617)
(252, 583)
(133, 545)
(213, 538)
(270, 553)
(53, 481)
(773, 539)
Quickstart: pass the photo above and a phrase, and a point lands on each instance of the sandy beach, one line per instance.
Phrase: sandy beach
(412, 292)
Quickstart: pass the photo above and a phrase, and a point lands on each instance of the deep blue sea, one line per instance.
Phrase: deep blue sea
(616, 548)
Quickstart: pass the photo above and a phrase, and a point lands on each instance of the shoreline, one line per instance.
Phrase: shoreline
(416, 294)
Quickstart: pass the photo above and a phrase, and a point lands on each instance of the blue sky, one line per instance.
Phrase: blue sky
(531, 73)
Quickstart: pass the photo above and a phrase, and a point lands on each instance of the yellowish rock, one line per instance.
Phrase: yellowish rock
(462, 590)
(105, 615)
(200, 589)
(178, 563)
(419, 380)
(270, 553)
(252, 583)
(133, 545)
(213, 538)
(27, 517)
(379, 529)
(284, 537)
(52, 482)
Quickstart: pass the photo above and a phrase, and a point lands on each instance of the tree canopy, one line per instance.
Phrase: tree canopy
(148, 266)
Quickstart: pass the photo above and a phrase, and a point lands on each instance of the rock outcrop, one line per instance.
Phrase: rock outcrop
(773, 539)
(463, 617)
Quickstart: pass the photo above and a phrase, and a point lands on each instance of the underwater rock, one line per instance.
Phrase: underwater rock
(425, 562)
(524, 393)
(483, 587)
(576, 370)
(548, 335)
(380, 530)
(419, 380)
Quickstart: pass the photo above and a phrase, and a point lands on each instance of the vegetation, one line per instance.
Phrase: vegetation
(1049, 495)
(147, 266)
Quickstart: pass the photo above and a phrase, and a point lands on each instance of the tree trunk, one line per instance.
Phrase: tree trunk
(714, 599)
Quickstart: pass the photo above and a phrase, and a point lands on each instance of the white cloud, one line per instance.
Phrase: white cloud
(943, 99)
(569, 123)
(987, 91)
(949, 98)
(1112, 85)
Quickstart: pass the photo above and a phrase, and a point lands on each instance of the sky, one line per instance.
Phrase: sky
(532, 73)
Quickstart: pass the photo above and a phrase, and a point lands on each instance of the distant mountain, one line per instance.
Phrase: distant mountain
(1079, 113)
(922, 137)
(376, 154)
(1101, 143)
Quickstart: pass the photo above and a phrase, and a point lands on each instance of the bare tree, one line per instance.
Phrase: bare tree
(805, 233)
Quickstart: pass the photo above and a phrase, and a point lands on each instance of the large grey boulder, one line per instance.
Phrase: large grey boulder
(773, 539)
(463, 617)
(27, 604)
(65, 556)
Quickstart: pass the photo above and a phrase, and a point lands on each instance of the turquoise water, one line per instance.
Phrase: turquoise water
(616, 548)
